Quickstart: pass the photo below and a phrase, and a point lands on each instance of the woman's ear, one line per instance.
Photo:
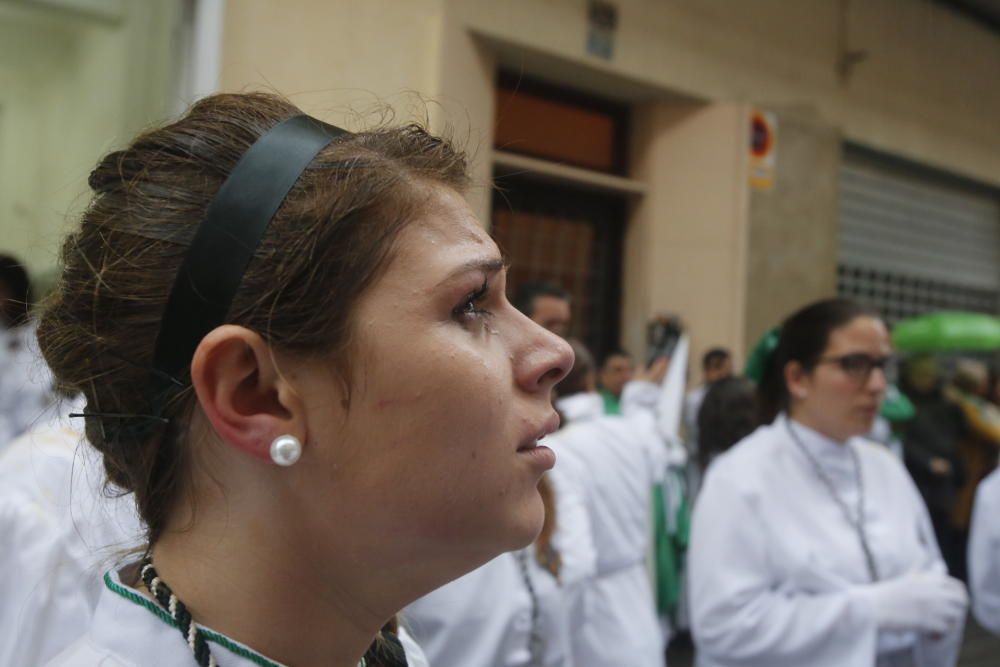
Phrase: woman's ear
(797, 380)
(242, 393)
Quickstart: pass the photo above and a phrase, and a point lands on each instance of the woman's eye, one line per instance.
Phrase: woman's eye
(471, 308)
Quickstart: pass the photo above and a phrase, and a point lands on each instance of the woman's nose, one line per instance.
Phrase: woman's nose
(543, 360)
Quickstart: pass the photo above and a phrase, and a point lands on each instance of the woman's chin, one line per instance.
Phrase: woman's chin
(525, 524)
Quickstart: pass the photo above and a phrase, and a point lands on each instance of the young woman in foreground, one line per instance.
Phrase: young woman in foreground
(297, 354)
(809, 545)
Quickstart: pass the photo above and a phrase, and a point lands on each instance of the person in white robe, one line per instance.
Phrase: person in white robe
(25, 382)
(616, 461)
(811, 546)
(512, 612)
(984, 554)
(61, 532)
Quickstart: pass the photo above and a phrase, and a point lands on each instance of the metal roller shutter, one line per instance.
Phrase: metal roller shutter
(914, 241)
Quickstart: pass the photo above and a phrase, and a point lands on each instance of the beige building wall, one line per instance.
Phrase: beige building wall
(343, 61)
(908, 77)
(923, 86)
(77, 78)
(686, 242)
(338, 59)
(792, 240)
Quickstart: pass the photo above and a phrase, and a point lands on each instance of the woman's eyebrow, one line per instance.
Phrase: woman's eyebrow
(483, 265)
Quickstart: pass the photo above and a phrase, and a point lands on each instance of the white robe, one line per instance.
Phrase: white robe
(130, 630)
(984, 554)
(60, 534)
(25, 382)
(774, 565)
(484, 619)
(616, 460)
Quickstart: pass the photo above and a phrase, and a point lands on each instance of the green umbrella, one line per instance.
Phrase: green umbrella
(948, 332)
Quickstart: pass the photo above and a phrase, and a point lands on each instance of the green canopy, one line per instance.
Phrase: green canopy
(948, 332)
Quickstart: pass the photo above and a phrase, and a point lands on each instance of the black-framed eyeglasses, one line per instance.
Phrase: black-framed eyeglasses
(859, 366)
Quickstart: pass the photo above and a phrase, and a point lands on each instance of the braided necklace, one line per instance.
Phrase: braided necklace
(857, 522)
(194, 637)
(178, 611)
(534, 637)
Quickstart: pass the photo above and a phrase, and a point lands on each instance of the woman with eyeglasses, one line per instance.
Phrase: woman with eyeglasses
(811, 546)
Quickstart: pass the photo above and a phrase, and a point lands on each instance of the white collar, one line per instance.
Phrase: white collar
(831, 454)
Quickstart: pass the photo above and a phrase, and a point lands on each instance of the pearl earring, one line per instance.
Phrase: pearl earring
(286, 450)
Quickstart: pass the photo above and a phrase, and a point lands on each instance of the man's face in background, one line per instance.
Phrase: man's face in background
(551, 313)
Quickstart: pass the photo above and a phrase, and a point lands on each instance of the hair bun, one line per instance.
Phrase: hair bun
(113, 171)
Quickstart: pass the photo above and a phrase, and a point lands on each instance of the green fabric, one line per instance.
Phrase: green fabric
(896, 407)
(669, 547)
(761, 354)
(612, 406)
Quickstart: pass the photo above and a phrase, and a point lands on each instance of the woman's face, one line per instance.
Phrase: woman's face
(836, 398)
(451, 386)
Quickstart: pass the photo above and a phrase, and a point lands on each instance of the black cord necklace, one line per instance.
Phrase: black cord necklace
(856, 522)
(392, 654)
(178, 611)
(534, 637)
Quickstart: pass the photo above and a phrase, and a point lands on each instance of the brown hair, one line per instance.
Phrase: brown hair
(325, 246)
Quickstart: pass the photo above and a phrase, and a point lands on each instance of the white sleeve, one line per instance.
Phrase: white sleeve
(984, 555)
(741, 614)
(639, 396)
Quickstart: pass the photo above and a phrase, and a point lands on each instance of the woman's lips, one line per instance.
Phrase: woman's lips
(550, 425)
(538, 455)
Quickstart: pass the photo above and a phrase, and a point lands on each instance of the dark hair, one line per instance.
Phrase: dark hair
(613, 352)
(328, 242)
(803, 338)
(583, 364)
(524, 297)
(728, 414)
(14, 312)
(714, 358)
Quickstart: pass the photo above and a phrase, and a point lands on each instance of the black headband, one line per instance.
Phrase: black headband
(227, 238)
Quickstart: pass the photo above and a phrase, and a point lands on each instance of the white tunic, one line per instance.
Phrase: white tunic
(775, 566)
(60, 533)
(130, 630)
(617, 460)
(984, 554)
(25, 382)
(484, 619)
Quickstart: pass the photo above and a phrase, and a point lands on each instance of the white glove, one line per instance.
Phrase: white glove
(927, 602)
